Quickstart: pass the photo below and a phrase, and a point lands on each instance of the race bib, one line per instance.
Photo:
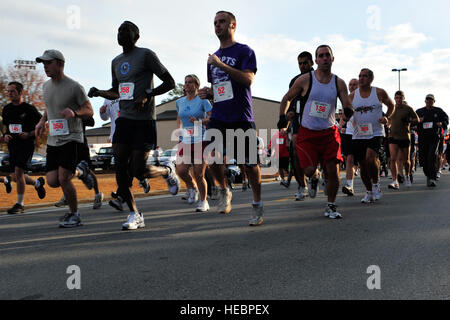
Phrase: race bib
(58, 127)
(194, 133)
(320, 110)
(428, 125)
(280, 141)
(126, 91)
(15, 128)
(365, 129)
(223, 91)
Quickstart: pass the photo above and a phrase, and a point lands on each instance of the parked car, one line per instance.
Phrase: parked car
(170, 155)
(37, 163)
(4, 162)
(103, 158)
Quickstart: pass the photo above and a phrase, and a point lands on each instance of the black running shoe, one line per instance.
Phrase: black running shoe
(17, 208)
(8, 185)
(41, 190)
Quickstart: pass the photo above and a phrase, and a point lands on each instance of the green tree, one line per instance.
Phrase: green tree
(175, 93)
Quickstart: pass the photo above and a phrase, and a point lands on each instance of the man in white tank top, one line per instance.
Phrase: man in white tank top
(369, 131)
(318, 139)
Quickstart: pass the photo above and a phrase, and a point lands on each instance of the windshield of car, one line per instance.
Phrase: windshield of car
(105, 151)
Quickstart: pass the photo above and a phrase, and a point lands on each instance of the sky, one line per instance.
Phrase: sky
(379, 35)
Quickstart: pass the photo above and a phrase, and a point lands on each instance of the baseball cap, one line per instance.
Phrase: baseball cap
(430, 96)
(50, 55)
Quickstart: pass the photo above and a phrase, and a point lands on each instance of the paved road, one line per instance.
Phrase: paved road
(295, 254)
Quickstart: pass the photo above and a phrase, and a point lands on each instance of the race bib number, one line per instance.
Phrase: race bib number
(280, 141)
(320, 110)
(223, 91)
(428, 125)
(15, 128)
(126, 91)
(365, 129)
(58, 127)
(190, 133)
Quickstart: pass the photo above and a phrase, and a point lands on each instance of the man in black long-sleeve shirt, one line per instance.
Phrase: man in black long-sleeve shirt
(431, 122)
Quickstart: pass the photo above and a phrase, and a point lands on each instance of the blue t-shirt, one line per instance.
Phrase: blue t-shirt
(192, 108)
(239, 106)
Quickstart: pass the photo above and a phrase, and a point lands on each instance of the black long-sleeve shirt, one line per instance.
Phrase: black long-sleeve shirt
(428, 128)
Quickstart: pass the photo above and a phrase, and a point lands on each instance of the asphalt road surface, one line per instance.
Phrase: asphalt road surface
(398, 247)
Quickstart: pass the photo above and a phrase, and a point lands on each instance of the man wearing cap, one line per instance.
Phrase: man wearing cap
(431, 122)
(67, 104)
(135, 134)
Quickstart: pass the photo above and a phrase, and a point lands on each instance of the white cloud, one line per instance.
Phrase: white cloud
(403, 36)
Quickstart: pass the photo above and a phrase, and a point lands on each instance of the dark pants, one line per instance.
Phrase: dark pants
(428, 149)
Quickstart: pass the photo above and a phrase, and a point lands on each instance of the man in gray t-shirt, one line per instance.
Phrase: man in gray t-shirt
(66, 106)
(135, 133)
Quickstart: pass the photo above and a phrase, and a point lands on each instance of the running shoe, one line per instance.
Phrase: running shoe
(284, 183)
(186, 195)
(348, 190)
(368, 198)
(202, 206)
(331, 212)
(214, 193)
(408, 182)
(41, 190)
(411, 178)
(145, 185)
(438, 175)
(257, 215)
(61, 203)
(300, 195)
(377, 194)
(70, 220)
(117, 203)
(244, 185)
(17, 208)
(193, 196)
(394, 186)
(224, 204)
(8, 184)
(134, 221)
(98, 200)
(85, 175)
(312, 187)
(172, 180)
(432, 183)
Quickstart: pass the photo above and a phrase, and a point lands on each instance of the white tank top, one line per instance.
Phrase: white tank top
(320, 109)
(368, 112)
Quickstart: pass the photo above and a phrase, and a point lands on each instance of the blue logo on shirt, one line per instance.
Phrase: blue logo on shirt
(124, 68)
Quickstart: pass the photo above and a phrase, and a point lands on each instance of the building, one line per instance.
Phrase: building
(265, 112)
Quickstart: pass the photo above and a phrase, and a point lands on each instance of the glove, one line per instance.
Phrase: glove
(282, 123)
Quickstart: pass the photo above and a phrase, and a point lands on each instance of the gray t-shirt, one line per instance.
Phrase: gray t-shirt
(132, 73)
(66, 93)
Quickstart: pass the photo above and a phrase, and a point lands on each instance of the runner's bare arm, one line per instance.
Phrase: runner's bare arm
(384, 98)
(297, 88)
(243, 77)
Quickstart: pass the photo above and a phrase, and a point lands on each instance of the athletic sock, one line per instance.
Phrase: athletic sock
(20, 198)
(259, 204)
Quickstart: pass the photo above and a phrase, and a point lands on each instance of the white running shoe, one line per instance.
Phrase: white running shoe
(98, 200)
(173, 183)
(134, 222)
(394, 186)
(257, 215)
(377, 194)
(193, 196)
(368, 198)
(300, 195)
(70, 220)
(225, 197)
(202, 206)
(331, 212)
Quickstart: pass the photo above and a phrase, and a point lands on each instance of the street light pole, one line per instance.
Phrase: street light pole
(399, 70)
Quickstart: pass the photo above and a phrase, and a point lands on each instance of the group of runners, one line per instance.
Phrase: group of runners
(309, 137)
